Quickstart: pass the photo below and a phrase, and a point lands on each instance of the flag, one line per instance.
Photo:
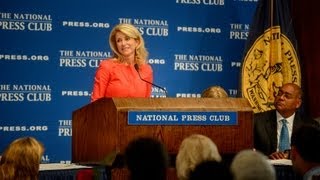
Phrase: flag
(270, 56)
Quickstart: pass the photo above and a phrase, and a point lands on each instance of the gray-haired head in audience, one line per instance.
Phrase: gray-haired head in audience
(252, 165)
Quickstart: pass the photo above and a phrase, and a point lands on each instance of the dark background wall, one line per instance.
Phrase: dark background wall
(306, 18)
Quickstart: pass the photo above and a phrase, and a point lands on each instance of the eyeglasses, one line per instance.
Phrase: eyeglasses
(286, 95)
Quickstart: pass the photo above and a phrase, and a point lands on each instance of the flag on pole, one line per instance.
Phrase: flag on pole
(270, 56)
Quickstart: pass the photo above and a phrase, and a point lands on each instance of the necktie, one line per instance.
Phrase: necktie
(284, 136)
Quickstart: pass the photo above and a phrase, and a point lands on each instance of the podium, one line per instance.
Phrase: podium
(101, 127)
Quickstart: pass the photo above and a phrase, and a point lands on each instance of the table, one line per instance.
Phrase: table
(57, 171)
(284, 170)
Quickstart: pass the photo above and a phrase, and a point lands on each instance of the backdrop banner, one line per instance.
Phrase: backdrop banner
(50, 50)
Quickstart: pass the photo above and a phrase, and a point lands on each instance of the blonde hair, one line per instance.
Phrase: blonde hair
(21, 159)
(193, 150)
(214, 92)
(252, 165)
(131, 31)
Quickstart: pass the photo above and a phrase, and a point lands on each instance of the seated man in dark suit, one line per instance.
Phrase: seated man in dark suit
(268, 125)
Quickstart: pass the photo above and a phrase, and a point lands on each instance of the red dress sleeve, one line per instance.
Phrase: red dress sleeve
(101, 79)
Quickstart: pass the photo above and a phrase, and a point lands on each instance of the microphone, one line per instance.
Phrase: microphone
(136, 66)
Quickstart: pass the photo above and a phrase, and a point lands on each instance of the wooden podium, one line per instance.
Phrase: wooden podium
(101, 127)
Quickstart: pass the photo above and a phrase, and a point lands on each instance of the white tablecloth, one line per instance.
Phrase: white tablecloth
(58, 166)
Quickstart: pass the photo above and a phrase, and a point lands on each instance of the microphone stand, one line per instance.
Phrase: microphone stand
(136, 66)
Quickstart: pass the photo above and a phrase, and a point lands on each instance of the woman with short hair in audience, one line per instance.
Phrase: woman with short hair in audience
(214, 92)
(194, 150)
(21, 159)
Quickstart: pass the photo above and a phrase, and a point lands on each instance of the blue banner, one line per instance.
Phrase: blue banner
(50, 50)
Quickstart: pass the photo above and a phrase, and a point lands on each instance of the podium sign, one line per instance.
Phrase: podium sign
(181, 118)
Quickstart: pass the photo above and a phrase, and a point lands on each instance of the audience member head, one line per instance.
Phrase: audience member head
(214, 92)
(305, 148)
(288, 99)
(146, 158)
(130, 31)
(21, 159)
(252, 165)
(210, 170)
(193, 150)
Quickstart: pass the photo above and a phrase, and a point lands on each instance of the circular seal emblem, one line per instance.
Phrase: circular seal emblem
(270, 62)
